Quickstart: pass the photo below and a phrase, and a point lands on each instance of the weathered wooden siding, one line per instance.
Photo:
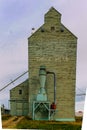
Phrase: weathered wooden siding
(19, 99)
(54, 46)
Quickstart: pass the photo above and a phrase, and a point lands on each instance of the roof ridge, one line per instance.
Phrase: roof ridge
(52, 8)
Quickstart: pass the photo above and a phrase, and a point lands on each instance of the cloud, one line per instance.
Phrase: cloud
(14, 59)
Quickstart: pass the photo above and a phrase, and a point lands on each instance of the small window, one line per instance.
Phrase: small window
(52, 28)
(20, 91)
(62, 30)
(42, 29)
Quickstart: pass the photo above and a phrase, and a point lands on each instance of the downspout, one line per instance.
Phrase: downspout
(54, 85)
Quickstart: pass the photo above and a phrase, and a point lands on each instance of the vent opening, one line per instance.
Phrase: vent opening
(52, 28)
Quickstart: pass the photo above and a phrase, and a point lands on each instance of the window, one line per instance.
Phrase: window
(52, 28)
(42, 29)
(20, 91)
(62, 30)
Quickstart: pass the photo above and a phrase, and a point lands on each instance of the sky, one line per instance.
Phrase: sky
(17, 18)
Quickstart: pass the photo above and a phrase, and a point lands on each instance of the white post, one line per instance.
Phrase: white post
(84, 122)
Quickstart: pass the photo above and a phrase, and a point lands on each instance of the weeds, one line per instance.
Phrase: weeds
(48, 125)
(5, 117)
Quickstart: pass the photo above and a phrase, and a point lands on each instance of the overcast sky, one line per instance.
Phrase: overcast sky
(18, 17)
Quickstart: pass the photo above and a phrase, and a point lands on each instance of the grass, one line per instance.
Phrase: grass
(26, 123)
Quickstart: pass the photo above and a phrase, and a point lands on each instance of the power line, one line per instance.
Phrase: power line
(13, 81)
(82, 92)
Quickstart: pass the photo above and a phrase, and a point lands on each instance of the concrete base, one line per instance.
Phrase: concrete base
(65, 119)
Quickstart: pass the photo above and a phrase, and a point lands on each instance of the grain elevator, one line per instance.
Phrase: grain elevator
(54, 47)
(52, 71)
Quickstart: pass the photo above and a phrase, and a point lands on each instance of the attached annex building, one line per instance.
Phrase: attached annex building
(54, 46)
